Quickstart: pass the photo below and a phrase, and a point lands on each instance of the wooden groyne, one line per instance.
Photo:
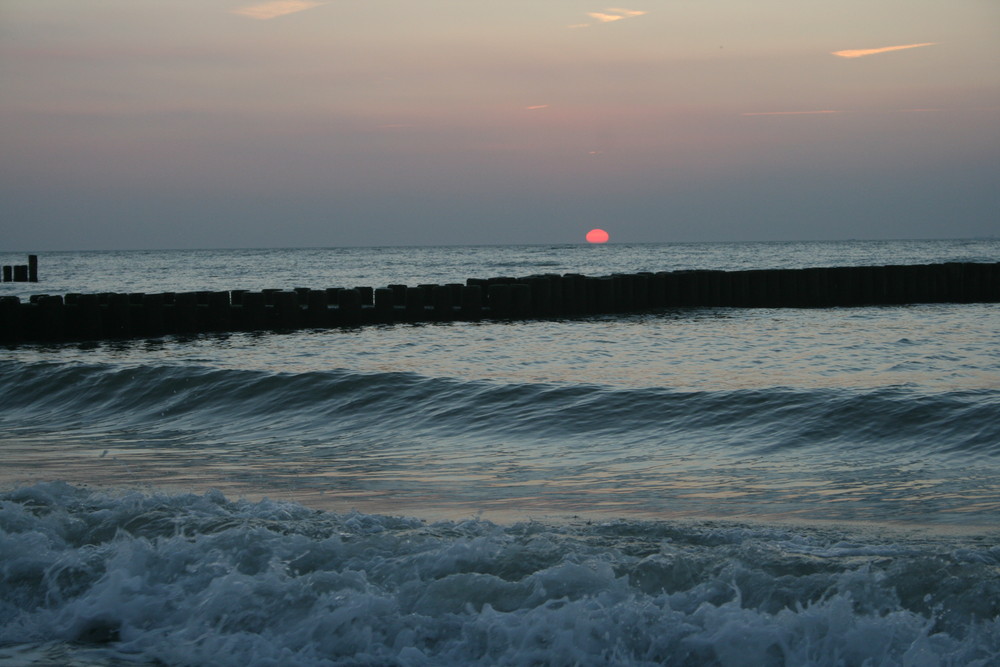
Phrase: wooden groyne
(78, 317)
(21, 273)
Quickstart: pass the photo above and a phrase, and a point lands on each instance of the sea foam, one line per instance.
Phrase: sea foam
(199, 579)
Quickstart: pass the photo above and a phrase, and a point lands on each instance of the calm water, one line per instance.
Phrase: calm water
(702, 486)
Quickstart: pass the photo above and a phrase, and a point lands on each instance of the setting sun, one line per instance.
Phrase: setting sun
(597, 236)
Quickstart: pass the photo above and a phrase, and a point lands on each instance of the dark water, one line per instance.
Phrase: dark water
(734, 487)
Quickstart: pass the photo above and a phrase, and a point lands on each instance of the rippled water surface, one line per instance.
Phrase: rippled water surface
(680, 487)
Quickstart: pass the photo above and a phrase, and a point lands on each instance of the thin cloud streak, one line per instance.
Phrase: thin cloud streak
(860, 53)
(272, 10)
(537, 106)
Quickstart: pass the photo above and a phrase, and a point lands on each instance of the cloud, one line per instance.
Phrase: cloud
(609, 15)
(271, 10)
(859, 53)
(537, 106)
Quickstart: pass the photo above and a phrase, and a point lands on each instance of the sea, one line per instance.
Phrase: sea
(682, 486)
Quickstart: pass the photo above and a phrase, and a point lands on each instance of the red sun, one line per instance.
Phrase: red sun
(597, 236)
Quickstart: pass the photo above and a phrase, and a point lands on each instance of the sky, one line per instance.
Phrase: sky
(300, 123)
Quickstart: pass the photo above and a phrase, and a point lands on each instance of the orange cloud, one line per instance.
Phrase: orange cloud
(615, 14)
(537, 106)
(860, 53)
(271, 10)
(609, 15)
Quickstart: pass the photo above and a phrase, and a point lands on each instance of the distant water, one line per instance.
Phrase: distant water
(255, 269)
(691, 486)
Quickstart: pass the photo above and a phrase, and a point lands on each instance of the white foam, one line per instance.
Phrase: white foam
(201, 580)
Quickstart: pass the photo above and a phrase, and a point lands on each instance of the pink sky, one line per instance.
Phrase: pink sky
(186, 124)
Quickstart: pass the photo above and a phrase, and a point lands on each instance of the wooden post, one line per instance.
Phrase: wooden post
(385, 305)
(117, 317)
(32, 268)
(286, 305)
(253, 311)
(472, 302)
(499, 298)
(441, 299)
(185, 312)
(349, 307)
(10, 319)
(318, 308)
(521, 301)
(88, 324)
(153, 323)
(414, 303)
(367, 295)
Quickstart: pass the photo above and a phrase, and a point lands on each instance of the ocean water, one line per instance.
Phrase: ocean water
(680, 487)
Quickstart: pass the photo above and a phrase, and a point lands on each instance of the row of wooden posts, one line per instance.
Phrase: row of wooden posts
(126, 315)
(22, 273)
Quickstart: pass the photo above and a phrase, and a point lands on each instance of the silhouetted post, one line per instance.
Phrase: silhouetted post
(185, 312)
(219, 311)
(366, 294)
(622, 292)
(385, 305)
(712, 288)
(993, 282)
(441, 300)
(472, 302)
(682, 288)
(8, 273)
(605, 293)
(117, 316)
(51, 317)
(974, 282)
(253, 311)
(738, 289)
(83, 317)
(521, 301)
(10, 319)
(399, 294)
(20, 273)
(413, 300)
(349, 307)
(574, 294)
(539, 296)
(33, 268)
(498, 298)
(286, 305)
(318, 308)
(153, 322)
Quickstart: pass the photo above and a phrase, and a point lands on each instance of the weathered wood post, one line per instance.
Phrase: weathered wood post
(32, 268)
